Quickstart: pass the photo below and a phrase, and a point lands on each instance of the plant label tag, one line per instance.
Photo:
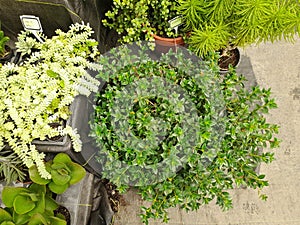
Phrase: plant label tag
(175, 22)
(31, 23)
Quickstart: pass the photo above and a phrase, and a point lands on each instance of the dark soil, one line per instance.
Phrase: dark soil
(65, 212)
(231, 57)
(114, 196)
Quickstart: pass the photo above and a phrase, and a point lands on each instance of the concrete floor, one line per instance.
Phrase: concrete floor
(275, 66)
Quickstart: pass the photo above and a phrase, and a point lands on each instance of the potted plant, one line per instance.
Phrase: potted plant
(55, 79)
(144, 20)
(38, 92)
(223, 25)
(6, 52)
(35, 204)
(146, 122)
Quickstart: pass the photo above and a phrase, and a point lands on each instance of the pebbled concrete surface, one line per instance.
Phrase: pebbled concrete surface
(275, 66)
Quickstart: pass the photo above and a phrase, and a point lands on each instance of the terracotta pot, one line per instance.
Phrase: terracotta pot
(163, 45)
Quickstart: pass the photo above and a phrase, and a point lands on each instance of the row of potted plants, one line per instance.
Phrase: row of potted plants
(52, 73)
(207, 25)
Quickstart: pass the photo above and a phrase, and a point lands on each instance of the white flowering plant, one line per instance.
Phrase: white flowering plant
(38, 91)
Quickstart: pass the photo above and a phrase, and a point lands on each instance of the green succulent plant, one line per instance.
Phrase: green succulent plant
(64, 172)
(31, 206)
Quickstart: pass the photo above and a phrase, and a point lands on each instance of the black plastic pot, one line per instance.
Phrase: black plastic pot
(232, 57)
(7, 56)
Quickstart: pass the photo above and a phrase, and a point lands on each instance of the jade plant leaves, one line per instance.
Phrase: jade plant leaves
(64, 172)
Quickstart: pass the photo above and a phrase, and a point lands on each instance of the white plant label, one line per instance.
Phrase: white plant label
(31, 23)
(175, 22)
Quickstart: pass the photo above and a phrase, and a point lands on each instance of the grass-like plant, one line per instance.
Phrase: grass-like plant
(148, 139)
(11, 167)
(220, 24)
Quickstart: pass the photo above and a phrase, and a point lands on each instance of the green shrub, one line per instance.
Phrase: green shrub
(223, 155)
(139, 20)
(217, 24)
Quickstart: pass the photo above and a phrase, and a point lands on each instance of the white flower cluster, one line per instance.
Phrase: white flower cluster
(40, 90)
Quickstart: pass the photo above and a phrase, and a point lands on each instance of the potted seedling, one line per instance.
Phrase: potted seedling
(144, 20)
(177, 132)
(224, 25)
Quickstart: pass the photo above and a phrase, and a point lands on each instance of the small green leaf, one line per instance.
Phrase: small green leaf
(62, 158)
(36, 177)
(10, 193)
(58, 189)
(4, 216)
(23, 204)
(77, 172)
(59, 177)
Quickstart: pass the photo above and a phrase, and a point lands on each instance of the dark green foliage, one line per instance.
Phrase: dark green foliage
(238, 136)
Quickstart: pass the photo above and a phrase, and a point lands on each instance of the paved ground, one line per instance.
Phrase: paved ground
(276, 66)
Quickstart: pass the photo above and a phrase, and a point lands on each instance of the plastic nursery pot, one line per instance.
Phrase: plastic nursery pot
(87, 202)
(231, 57)
(8, 55)
(163, 45)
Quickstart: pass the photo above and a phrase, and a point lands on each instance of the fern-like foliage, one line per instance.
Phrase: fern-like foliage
(247, 22)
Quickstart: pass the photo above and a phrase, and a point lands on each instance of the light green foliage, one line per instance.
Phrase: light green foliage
(238, 22)
(246, 133)
(64, 172)
(38, 92)
(30, 206)
(139, 19)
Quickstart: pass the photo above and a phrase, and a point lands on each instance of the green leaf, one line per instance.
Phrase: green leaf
(77, 172)
(57, 221)
(20, 219)
(10, 193)
(4, 216)
(38, 219)
(62, 158)
(58, 189)
(7, 223)
(60, 177)
(36, 177)
(23, 204)
(52, 74)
